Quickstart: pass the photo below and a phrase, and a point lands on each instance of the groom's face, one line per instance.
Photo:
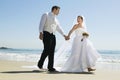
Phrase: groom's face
(57, 11)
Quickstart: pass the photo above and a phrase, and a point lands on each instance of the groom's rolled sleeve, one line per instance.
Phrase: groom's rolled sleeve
(60, 30)
(42, 22)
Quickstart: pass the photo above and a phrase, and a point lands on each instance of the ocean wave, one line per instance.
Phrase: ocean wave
(34, 55)
(20, 57)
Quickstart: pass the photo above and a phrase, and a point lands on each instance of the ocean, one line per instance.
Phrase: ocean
(33, 55)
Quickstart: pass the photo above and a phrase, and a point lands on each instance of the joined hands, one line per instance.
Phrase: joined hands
(66, 37)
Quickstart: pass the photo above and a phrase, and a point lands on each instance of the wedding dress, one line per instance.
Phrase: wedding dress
(82, 54)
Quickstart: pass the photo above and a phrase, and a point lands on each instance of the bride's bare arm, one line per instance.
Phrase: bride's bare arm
(70, 32)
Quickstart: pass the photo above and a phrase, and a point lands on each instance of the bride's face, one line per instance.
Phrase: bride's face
(79, 20)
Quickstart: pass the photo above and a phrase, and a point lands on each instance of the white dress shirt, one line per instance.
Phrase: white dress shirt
(50, 24)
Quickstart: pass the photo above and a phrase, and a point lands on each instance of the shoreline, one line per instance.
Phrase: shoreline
(13, 70)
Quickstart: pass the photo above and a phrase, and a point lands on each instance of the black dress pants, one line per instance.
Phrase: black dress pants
(49, 42)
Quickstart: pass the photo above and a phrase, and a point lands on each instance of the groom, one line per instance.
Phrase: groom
(48, 25)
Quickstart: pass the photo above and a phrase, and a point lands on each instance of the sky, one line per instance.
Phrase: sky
(19, 21)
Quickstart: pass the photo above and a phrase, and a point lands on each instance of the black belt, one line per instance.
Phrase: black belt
(46, 32)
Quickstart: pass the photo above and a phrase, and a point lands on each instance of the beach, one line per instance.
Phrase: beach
(15, 70)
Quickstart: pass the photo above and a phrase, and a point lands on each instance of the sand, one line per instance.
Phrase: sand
(13, 70)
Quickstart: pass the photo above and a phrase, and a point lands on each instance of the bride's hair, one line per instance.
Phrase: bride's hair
(80, 17)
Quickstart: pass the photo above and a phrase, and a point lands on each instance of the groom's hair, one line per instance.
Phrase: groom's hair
(55, 7)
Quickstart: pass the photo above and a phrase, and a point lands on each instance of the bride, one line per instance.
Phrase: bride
(83, 55)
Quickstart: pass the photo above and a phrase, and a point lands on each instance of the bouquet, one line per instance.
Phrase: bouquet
(85, 34)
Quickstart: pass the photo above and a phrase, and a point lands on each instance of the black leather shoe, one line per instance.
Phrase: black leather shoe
(40, 67)
(52, 70)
